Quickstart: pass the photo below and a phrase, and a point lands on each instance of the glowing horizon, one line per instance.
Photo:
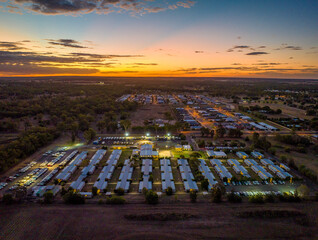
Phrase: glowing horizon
(159, 39)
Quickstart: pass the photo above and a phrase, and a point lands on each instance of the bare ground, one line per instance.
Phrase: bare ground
(206, 221)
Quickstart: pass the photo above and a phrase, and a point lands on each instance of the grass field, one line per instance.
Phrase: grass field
(309, 159)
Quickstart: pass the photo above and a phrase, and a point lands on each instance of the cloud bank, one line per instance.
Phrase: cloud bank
(79, 7)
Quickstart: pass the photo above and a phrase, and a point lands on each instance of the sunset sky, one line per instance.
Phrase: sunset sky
(208, 38)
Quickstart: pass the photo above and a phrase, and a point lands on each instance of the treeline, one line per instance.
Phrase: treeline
(293, 139)
(27, 143)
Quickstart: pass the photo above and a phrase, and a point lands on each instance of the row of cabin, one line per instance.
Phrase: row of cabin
(206, 172)
(166, 175)
(107, 171)
(146, 170)
(187, 176)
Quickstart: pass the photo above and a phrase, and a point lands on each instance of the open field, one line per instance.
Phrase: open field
(147, 112)
(139, 221)
(286, 110)
(309, 159)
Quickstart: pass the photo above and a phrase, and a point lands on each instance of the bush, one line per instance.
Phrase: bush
(73, 198)
(63, 191)
(289, 197)
(269, 198)
(169, 191)
(7, 199)
(216, 195)
(48, 197)
(115, 200)
(205, 184)
(144, 191)
(94, 191)
(193, 196)
(259, 198)
(152, 197)
(233, 198)
(120, 191)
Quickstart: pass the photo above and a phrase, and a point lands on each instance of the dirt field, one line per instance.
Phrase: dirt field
(185, 221)
(149, 112)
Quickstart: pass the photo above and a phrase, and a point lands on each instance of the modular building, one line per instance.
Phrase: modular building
(166, 175)
(187, 176)
(107, 171)
(70, 169)
(221, 170)
(257, 155)
(242, 155)
(238, 168)
(262, 173)
(125, 176)
(88, 170)
(216, 154)
(146, 151)
(146, 170)
(206, 172)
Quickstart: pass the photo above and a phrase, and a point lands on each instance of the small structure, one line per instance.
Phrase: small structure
(147, 152)
(242, 155)
(238, 168)
(257, 155)
(187, 147)
(216, 154)
(178, 147)
(259, 170)
(221, 170)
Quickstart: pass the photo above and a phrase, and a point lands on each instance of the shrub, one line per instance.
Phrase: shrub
(216, 195)
(233, 198)
(120, 191)
(48, 197)
(259, 198)
(193, 196)
(73, 198)
(152, 197)
(63, 191)
(269, 198)
(144, 191)
(115, 200)
(169, 191)
(289, 197)
(7, 199)
(205, 184)
(94, 191)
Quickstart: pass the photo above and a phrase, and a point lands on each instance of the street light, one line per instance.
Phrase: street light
(147, 134)
(168, 134)
(126, 134)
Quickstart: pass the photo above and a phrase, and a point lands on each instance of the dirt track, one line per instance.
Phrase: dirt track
(208, 221)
